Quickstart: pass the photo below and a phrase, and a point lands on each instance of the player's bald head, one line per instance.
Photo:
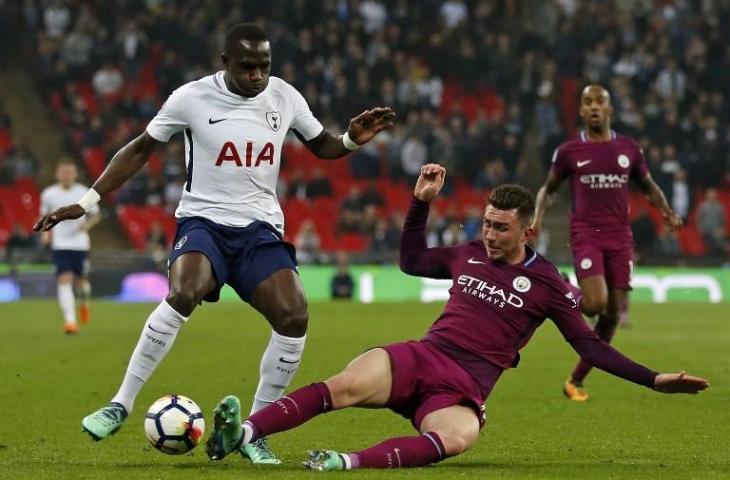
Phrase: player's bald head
(595, 91)
(244, 35)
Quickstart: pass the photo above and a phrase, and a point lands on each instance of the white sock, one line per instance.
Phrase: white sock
(67, 302)
(278, 366)
(157, 337)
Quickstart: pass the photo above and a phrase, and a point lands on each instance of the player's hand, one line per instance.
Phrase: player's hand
(679, 383)
(369, 123)
(672, 220)
(70, 212)
(429, 182)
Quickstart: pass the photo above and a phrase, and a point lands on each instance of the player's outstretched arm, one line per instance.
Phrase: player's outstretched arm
(679, 383)
(415, 256)
(125, 163)
(659, 201)
(361, 130)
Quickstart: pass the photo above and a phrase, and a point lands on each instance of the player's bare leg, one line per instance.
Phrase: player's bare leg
(66, 301)
(281, 300)
(191, 279)
(83, 294)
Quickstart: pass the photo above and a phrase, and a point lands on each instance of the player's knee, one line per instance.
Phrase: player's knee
(291, 320)
(458, 440)
(184, 301)
(344, 390)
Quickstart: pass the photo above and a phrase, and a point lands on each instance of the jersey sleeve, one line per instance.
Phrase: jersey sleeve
(565, 312)
(415, 258)
(639, 169)
(171, 118)
(304, 122)
(560, 166)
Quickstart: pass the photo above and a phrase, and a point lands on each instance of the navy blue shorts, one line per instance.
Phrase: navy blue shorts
(242, 257)
(75, 261)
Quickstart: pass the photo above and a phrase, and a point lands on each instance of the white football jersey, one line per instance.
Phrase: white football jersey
(68, 234)
(233, 147)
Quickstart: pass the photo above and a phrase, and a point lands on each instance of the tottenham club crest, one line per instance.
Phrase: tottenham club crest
(181, 242)
(274, 120)
(623, 161)
(521, 284)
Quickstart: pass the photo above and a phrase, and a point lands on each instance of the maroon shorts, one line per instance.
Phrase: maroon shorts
(603, 254)
(426, 379)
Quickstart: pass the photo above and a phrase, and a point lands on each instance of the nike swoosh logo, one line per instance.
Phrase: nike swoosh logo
(163, 333)
(475, 262)
(584, 162)
(211, 121)
(284, 360)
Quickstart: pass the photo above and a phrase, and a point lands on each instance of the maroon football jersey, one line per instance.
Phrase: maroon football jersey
(599, 178)
(494, 307)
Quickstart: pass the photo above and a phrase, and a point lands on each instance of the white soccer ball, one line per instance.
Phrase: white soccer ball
(174, 424)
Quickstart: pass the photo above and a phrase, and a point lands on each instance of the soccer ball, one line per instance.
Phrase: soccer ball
(174, 424)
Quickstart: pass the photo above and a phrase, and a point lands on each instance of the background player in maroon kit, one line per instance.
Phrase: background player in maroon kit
(502, 291)
(599, 164)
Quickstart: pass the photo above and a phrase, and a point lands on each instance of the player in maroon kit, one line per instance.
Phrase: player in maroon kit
(502, 291)
(599, 164)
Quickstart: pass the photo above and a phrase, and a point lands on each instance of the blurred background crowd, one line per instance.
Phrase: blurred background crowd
(487, 88)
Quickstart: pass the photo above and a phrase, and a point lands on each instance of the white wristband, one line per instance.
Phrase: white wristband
(348, 143)
(89, 199)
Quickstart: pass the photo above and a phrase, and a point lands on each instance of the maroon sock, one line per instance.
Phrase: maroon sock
(291, 410)
(605, 328)
(401, 452)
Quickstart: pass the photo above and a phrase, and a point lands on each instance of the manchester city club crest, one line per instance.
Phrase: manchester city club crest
(623, 161)
(521, 284)
(274, 120)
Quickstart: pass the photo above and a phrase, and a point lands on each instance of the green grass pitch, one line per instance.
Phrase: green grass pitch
(50, 381)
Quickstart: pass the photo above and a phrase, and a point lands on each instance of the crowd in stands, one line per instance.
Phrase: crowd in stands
(486, 87)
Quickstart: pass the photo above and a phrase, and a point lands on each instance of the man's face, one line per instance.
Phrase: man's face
(249, 66)
(504, 235)
(66, 174)
(595, 107)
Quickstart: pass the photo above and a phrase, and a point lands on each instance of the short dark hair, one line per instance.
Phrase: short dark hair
(510, 196)
(244, 31)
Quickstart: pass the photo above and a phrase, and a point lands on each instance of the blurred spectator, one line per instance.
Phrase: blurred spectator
(107, 81)
(307, 242)
(156, 245)
(711, 222)
(342, 286)
(18, 241)
(297, 185)
(680, 198)
(645, 234)
(319, 185)
(371, 196)
(24, 162)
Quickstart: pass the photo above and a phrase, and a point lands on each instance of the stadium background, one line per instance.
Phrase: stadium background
(488, 88)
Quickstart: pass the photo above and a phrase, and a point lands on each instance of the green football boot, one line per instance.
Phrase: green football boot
(104, 422)
(324, 460)
(227, 430)
(259, 453)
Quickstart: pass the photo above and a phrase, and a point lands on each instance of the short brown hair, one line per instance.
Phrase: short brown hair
(510, 196)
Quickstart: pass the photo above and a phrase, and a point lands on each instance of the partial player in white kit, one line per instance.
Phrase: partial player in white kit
(70, 244)
(230, 224)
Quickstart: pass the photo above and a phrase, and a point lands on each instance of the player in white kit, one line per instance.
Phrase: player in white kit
(230, 224)
(70, 244)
